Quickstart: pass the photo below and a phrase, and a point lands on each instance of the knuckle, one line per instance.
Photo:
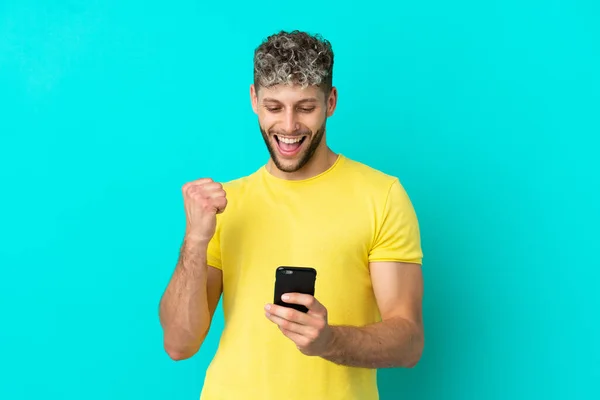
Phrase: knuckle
(196, 183)
(187, 188)
(192, 191)
(221, 205)
(319, 325)
(192, 196)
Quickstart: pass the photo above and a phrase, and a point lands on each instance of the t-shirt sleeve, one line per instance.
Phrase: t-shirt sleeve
(213, 253)
(397, 237)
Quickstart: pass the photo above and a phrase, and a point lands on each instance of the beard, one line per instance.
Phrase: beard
(304, 157)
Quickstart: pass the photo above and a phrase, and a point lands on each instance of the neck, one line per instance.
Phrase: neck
(320, 162)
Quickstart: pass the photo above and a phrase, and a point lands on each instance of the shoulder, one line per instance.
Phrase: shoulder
(380, 189)
(369, 178)
(235, 189)
(238, 186)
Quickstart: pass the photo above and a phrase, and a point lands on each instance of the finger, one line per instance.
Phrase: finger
(205, 188)
(216, 193)
(200, 181)
(287, 325)
(289, 314)
(306, 300)
(300, 340)
(220, 204)
(211, 187)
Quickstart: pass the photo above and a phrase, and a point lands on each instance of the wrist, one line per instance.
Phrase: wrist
(333, 342)
(193, 241)
(194, 251)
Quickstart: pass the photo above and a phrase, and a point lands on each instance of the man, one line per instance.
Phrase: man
(308, 206)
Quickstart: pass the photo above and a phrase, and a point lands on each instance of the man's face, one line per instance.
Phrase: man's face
(292, 121)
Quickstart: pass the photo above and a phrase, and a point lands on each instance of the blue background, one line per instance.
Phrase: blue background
(488, 111)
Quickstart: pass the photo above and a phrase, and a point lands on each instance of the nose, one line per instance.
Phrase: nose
(290, 124)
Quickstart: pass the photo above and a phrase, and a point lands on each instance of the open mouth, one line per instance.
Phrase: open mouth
(289, 146)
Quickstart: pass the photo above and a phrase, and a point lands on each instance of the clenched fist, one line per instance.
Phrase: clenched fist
(203, 199)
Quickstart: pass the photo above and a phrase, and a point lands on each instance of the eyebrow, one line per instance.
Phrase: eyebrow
(307, 100)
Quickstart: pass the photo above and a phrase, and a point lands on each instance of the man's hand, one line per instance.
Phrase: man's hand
(203, 200)
(309, 331)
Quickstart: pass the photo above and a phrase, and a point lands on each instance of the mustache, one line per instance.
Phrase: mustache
(299, 132)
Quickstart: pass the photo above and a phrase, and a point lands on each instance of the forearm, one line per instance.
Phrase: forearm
(396, 342)
(184, 311)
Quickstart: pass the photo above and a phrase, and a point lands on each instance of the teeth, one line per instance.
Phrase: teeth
(288, 140)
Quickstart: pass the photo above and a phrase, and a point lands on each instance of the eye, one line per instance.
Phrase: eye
(306, 109)
(273, 109)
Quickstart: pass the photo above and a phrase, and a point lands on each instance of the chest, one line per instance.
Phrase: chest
(300, 228)
(332, 234)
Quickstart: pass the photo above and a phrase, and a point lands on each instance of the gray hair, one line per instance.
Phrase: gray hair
(294, 58)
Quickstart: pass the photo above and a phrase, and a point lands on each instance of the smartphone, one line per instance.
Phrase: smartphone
(294, 280)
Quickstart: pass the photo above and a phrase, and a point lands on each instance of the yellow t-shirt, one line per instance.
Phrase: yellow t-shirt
(336, 222)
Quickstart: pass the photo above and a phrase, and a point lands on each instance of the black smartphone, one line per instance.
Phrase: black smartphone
(294, 280)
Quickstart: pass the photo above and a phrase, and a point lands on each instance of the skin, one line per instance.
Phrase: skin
(189, 302)
(396, 341)
(292, 111)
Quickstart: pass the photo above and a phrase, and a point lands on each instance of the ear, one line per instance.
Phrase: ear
(254, 98)
(332, 101)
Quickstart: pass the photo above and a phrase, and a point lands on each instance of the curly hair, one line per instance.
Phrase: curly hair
(295, 57)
